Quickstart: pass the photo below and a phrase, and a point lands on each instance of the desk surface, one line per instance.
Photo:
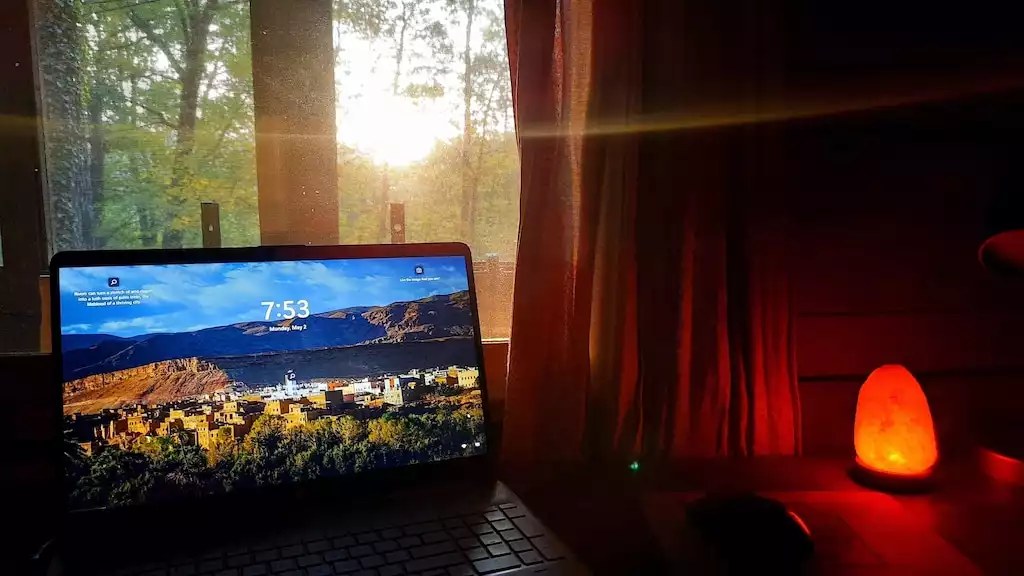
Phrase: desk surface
(623, 522)
(620, 522)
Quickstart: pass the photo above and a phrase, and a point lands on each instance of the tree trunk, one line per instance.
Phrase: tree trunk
(191, 78)
(482, 150)
(67, 175)
(482, 147)
(147, 228)
(400, 49)
(97, 163)
(468, 212)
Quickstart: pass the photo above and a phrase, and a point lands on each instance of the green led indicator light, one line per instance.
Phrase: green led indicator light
(634, 465)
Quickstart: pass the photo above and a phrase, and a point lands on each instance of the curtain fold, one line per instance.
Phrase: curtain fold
(651, 308)
(548, 96)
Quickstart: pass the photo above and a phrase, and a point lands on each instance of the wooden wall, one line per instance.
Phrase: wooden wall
(892, 206)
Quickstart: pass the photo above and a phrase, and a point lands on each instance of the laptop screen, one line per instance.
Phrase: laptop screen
(185, 380)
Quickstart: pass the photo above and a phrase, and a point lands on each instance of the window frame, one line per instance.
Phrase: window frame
(291, 39)
(280, 30)
(22, 220)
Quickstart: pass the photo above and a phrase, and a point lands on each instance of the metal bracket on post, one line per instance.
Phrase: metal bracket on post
(209, 215)
(397, 223)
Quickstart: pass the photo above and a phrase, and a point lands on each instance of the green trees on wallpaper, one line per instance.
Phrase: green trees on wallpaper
(148, 110)
(168, 467)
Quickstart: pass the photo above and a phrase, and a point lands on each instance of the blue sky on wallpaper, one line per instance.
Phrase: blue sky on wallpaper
(188, 297)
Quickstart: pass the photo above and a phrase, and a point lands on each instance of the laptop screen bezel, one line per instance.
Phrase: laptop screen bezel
(460, 469)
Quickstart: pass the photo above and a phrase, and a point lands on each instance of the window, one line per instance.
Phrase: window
(424, 114)
(149, 109)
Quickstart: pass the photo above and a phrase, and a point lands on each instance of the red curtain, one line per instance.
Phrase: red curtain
(651, 309)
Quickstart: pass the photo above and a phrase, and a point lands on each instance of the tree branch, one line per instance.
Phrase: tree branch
(161, 119)
(147, 28)
(210, 8)
(215, 149)
(129, 5)
(212, 78)
(130, 128)
(128, 44)
(157, 75)
(183, 17)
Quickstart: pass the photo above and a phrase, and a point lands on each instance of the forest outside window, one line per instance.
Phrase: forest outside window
(148, 110)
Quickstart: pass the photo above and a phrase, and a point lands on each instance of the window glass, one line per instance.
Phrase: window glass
(425, 122)
(148, 110)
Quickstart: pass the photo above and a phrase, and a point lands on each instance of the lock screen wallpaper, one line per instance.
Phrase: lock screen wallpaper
(192, 379)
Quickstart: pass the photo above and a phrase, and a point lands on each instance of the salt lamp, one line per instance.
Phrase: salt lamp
(893, 433)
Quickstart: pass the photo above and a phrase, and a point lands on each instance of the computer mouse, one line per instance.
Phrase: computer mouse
(747, 534)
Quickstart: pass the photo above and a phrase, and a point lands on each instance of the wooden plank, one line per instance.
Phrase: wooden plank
(296, 145)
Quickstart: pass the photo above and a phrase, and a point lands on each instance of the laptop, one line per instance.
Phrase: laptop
(301, 410)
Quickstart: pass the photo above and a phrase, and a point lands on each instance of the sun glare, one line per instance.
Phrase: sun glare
(390, 129)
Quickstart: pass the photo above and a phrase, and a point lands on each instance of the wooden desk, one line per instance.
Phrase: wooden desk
(621, 522)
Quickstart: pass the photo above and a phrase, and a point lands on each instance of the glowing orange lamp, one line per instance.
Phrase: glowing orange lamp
(893, 433)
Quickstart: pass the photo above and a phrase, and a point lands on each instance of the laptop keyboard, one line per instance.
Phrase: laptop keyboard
(489, 541)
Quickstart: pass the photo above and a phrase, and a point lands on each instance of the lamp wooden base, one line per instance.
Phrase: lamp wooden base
(892, 483)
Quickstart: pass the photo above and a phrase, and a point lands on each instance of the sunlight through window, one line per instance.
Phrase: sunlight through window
(148, 110)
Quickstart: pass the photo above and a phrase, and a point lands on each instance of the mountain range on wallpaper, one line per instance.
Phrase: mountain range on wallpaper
(432, 318)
